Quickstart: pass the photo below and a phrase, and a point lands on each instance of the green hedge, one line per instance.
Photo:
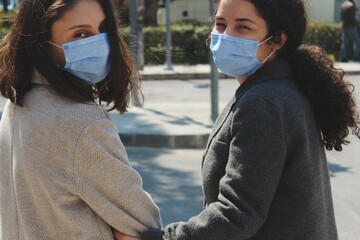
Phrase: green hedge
(189, 40)
(5, 21)
(188, 44)
(325, 35)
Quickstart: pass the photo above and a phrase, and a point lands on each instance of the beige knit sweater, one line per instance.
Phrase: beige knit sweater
(64, 173)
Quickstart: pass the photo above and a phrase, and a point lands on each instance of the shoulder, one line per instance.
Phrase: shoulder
(274, 92)
(48, 108)
(275, 84)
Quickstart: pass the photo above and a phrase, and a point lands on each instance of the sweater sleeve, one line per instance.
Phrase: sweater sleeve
(107, 183)
(254, 166)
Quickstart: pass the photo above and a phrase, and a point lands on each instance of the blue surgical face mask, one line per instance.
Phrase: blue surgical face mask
(236, 56)
(88, 58)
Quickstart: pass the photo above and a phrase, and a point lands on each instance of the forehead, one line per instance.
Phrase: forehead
(84, 10)
(235, 9)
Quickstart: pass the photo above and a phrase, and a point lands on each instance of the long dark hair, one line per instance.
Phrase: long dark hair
(330, 96)
(27, 46)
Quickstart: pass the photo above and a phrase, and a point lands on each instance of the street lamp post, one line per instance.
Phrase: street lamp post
(168, 64)
(214, 73)
(134, 24)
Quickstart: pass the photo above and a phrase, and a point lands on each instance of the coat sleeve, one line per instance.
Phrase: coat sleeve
(254, 166)
(108, 184)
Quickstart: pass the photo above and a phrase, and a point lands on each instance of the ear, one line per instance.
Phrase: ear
(283, 39)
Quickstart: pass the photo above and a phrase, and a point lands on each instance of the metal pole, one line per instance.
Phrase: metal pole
(134, 28)
(214, 73)
(140, 34)
(134, 47)
(168, 64)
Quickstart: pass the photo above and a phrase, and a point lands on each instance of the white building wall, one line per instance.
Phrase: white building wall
(321, 10)
(195, 9)
(318, 10)
(327, 10)
(200, 9)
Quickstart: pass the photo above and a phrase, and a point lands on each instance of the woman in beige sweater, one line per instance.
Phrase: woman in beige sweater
(64, 173)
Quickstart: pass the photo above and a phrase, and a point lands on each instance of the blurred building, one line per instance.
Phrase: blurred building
(185, 10)
(327, 10)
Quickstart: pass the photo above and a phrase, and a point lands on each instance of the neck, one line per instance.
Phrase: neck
(241, 80)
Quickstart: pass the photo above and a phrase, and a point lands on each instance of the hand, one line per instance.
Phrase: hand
(121, 236)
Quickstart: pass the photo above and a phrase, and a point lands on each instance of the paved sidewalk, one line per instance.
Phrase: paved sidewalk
(184, 123)
(176, 114)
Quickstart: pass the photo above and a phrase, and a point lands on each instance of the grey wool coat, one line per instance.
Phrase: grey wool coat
(265, 174)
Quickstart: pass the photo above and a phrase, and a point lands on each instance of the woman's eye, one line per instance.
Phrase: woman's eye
(220, 25)
(81, 35)
(243, 27)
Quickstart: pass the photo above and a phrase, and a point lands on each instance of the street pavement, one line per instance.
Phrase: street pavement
(177, 112)
(173, 179)
(165, 137)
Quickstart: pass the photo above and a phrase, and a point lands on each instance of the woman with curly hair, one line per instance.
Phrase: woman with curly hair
(265, 173)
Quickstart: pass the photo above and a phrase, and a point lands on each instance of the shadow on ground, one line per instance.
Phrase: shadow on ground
(182, 121)
(337, 168)
(172, 177)
(174, 183)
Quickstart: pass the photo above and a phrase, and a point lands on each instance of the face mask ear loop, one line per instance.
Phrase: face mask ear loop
(270, 53)
(55, 45)
(60, 48)
(265, 40)
(268, 57)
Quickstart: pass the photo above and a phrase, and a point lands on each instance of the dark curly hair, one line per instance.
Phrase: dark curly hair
(324, 85)
(26, 47)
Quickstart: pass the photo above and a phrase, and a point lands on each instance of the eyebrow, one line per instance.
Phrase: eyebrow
(237, 19)
(85, 26)
(79, 26)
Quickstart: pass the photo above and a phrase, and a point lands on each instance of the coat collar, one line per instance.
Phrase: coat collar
(270, 71)
(37, 78)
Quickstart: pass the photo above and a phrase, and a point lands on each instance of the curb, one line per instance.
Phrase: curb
(190, 76)
(197, 141)
(180, 76)
(352, 73)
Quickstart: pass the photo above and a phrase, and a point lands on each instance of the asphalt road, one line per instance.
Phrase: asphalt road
(173, 179)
